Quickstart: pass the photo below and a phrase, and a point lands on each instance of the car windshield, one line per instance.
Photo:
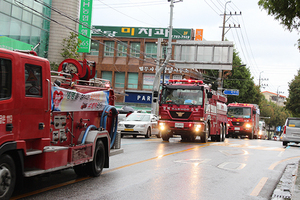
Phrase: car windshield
(182, 96)
(239, 112)
(294, 123)
(138, 117)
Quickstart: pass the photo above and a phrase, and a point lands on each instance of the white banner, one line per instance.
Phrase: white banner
(70, 100)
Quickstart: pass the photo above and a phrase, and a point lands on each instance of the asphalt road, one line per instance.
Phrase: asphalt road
(153, 169)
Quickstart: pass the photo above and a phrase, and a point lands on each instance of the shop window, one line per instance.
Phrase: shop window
(151, 50)
(122, 49)
(119, 79)
(107, 75)
(135, 48)
(33, 80)
(94, 48)
(109, 48)
(5, 79)
(133, 80)
(148, 80)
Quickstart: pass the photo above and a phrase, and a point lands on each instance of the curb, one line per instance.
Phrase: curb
(288, 186)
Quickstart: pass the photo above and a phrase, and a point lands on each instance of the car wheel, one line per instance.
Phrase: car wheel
(148, 134)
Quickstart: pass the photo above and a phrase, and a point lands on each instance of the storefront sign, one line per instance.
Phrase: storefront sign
(86, 19)
(138, 97)
(141, 32)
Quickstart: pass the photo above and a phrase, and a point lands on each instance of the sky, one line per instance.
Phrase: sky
(263, 44)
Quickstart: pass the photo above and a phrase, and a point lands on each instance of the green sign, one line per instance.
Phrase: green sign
(141, 32)
(12, 44)
(84, 31)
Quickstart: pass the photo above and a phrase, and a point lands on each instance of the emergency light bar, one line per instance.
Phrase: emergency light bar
(185, 81)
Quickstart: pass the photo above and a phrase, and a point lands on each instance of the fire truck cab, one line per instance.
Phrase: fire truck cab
(190, 108)
(50, 123)
(243, 120)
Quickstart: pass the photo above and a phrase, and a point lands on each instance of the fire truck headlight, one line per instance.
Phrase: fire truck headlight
(248, 125)
(197, 127)
(162, 126)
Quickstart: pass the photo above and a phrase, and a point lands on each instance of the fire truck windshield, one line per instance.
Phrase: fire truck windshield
(182, 96)
(239, 112)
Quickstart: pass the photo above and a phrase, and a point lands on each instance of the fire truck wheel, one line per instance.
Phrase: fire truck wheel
(148, 133)
(7, 176)
(95, 167)
(251, 135)
(204, 135)
(80, 170)
(165, 137)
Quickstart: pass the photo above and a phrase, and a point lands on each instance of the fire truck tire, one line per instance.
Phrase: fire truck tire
(219, 138)
(165, 137)
(80, 170)
(204, 135)
(250, 135)
(95, 167)
(148, 133)
(7, 176)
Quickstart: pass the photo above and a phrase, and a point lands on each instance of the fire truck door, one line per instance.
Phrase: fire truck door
(7, 104)
(35, 117)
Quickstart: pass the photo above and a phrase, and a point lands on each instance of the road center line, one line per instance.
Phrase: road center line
(157, 157)
(259, 186)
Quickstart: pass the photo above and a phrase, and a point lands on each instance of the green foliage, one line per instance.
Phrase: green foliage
(54, 66)
(277, 114)
(286, 11)
(70, 46)
(292, 102)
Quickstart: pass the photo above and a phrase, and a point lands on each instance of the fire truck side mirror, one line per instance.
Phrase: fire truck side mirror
(254, 112)
(209, 95)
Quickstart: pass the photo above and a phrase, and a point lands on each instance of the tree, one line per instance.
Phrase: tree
(292, 102)
(240, 78)
(70, 46)
(286, 11)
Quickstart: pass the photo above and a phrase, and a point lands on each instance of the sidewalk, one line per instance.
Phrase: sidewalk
(289, 184)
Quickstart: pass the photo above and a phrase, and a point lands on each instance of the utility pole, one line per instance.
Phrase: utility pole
(262, 79)
(156, 83)
(223, 37)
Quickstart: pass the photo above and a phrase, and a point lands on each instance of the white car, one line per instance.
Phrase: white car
(139, 124)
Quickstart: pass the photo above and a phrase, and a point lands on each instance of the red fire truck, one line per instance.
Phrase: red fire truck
(190, 108)
(50, 123)
(243, 120)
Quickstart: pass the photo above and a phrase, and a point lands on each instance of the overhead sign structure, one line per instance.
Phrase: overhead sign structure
(84, 31)
(216, 55)
(141, 32)
(231, 92)
(199, 35)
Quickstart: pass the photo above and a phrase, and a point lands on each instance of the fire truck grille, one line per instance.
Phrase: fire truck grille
(180, 114)
(129, 125)
(238, 123)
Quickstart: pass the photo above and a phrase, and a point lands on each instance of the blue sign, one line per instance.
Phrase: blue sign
(278, 128)
(231, 92)
(138, 97)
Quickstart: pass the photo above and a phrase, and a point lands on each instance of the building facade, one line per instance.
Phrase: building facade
(130, 62)
(275, 98)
